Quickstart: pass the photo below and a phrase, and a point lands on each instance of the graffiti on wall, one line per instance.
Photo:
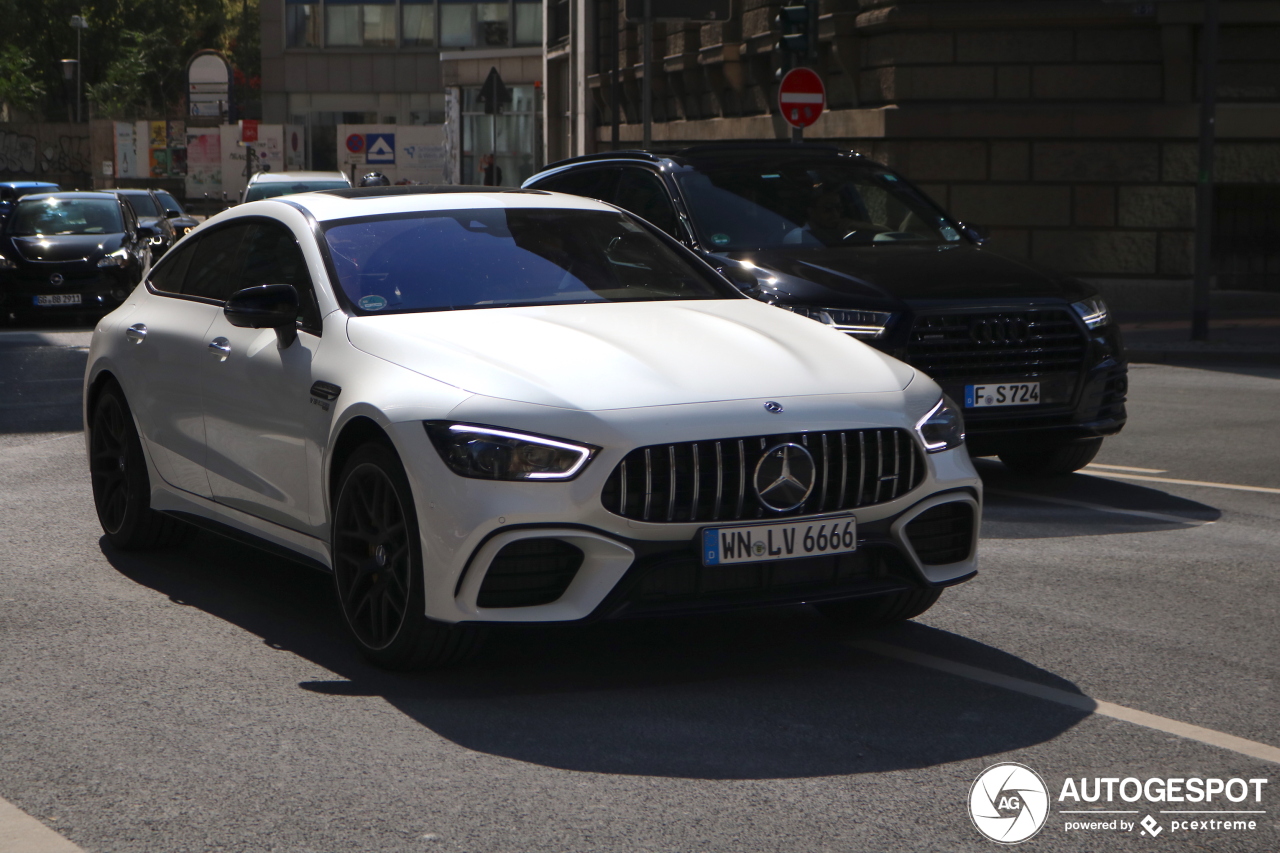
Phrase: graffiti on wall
(24, 154)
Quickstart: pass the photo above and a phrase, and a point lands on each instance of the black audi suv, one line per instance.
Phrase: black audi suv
(75, 253)
(1032, 356)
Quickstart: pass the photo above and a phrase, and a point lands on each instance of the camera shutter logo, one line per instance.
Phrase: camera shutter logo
(1008, 803)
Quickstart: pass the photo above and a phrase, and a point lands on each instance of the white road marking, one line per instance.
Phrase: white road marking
(1253, 749)
(21, 833)
(1264, 489)
(1140, 513)
(1127, 468)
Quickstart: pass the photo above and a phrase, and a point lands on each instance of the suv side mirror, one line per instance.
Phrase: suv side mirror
(148, 231)
(267, 306)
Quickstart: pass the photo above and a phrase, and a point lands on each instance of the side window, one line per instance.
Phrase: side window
(592, 183)
(168, 274)
(130, 221)
(272, 256)
(214, 271)
(643, 193)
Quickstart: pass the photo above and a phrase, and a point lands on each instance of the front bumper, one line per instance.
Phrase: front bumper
(100, 291)
(476, 533)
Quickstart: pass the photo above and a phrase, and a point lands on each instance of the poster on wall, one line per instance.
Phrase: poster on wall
(126, 151)
(295, 148)
(204, 162)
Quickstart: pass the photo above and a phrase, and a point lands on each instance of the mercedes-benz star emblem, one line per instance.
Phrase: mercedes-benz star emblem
(774, 407)
(56, 279)
(784, 477)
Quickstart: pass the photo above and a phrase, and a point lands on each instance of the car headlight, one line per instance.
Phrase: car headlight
(118, 258)
(186, 229)
(157, 240)
(1093, 311)
(943, 428)
(860, 324)
(6, 264)
(489, 453)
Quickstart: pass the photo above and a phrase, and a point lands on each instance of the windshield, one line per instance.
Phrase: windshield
(257, 192)
(490, 258)
(808, 204)
(67, 216)
(143, 205)
(170, 203)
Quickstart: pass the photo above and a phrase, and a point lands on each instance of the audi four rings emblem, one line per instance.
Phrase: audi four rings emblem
(784, 476)
(1000, 330)
(771, 406)
(55, 279)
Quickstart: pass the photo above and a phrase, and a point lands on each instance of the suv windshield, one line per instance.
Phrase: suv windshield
(491, 258)
(66, 216)
(271, 189)
(808, 203)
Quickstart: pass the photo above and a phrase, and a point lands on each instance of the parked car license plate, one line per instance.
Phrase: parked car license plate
(755, 543)
(1005, 394)
(58, 299)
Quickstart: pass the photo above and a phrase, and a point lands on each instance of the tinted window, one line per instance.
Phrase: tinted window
(272, 256)
(170, 203)
(808, 203)
(67, 216)
(643, 193)
(168, 274)
(592, 183)
(215, 266)
(488, 258)
(143, 204)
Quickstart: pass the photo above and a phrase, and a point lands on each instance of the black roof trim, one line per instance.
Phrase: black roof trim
(420, 189)
(693, 152)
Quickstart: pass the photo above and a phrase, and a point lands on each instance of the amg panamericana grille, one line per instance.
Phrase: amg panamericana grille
(713, 480)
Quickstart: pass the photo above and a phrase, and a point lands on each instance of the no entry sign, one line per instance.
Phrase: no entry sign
(802, 97)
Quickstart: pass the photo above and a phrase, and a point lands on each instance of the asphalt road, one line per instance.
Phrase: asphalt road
(203, 699)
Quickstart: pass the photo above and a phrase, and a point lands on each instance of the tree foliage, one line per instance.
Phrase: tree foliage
(134, 53)
(20, 88)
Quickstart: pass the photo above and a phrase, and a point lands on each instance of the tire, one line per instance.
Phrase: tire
(378, 570)
(121, 486)
(880, 610)
(1053, 461)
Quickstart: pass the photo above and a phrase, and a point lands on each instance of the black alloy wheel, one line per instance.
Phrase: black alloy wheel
(118, 474)
(377, 568)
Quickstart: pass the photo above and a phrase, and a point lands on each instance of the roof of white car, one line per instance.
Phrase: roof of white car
(296, 177)
(379, 201)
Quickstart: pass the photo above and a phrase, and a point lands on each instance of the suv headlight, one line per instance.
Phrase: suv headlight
(6, 264)
(860, 324)
(1093, 311)
(118, 258)
(943, 428)
(489, 453)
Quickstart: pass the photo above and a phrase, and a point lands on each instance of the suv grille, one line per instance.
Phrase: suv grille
(712, 480)
(991, 344)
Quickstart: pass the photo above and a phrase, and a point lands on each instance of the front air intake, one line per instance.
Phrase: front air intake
(529, 572)
(942, 534)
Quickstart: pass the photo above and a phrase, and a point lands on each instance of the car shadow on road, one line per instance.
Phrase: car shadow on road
(1079, 504)
(778, 693)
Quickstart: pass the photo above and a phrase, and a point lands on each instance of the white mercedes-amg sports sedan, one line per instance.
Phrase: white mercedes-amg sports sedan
(515, 406)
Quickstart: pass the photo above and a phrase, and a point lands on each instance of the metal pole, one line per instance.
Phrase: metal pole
(493, 144)
(613, 83)
(1204, 173)
(77, 75)
(646, 86)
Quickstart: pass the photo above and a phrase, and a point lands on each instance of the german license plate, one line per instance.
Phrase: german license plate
(1004, 394)
(58, 299)
(788, 540)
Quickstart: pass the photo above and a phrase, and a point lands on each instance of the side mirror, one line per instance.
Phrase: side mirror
(973, 232)
(267, 306)
(148, 231)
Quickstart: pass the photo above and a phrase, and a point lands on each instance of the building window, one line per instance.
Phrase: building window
(465, 24)
(418, 23)
(302, 24)
(528, 24)
(360, 24)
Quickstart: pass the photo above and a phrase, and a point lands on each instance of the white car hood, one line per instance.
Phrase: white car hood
(603, 356)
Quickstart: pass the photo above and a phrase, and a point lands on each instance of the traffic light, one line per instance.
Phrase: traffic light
(799, 30)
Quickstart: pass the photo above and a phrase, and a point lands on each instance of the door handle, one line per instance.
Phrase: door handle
(220, 348)
(136, 333)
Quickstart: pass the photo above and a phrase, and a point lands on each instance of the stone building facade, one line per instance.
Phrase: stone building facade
(1065, 128)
